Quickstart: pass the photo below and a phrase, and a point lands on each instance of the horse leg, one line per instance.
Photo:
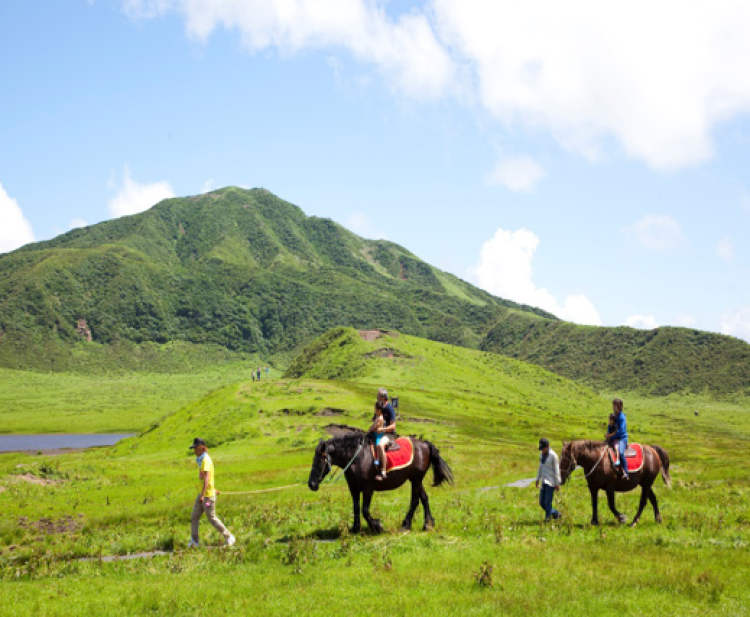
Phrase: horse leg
(645, 492)
(357, 527)
(594, 505)
(611, 501)
(655, 504)
(429, 522)
(373, 523)
(415, 491)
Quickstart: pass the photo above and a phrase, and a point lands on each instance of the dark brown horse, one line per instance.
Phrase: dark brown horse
(601, 474)
(352, 452)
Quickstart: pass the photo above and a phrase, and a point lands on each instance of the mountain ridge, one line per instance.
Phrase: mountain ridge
(236, 269)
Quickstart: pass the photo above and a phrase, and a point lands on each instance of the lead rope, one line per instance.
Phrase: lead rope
(597, 463)
(338, 476)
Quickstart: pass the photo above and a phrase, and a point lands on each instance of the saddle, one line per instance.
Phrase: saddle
(393, 445)
(400, 457)
(633, 456)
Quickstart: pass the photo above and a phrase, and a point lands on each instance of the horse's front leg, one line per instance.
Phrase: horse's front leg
(357, 527)
(611, 501)
(415, 491)
(594, 505)
(374, 523)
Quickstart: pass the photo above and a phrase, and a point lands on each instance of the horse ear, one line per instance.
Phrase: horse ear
(564, 444)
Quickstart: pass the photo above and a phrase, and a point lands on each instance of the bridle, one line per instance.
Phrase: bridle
(574, 464)
(328, 463)
(327, 466)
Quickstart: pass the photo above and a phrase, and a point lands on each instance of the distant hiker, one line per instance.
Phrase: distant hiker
(206, 501)
(252, 374)
(258, 374)
(621, 436)
(549, 474)
(266, 371)
(389, 427)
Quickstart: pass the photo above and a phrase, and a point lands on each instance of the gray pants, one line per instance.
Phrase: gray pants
(199, 508)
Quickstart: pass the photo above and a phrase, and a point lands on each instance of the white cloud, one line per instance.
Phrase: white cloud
(737, 323)
(516, 173)
(505, 269)
(642, 322)
(15, 229)
(76, 223)
(656, 232)
(405, 50)
(133, 197)
(208, 186)
(725, 249)
(656, 76)
(360, 224)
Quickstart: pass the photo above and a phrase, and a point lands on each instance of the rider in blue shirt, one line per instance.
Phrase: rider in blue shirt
(621, 435)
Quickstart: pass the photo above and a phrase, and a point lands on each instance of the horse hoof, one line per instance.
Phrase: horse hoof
(658, 520)
(429, 526)
(634, 523)
(377, 527)
(355, 529)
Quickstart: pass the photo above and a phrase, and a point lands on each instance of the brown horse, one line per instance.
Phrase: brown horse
(352, 453)
(601, 475)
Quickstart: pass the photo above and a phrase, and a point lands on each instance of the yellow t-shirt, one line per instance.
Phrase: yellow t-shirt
(207, 467)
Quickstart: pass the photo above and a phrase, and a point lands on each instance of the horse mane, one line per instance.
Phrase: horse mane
(585, 445)
(348, 441)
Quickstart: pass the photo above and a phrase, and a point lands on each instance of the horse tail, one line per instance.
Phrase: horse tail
(440, 469)
(664, 457)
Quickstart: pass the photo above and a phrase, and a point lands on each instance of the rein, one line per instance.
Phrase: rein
(335, 477)
(574, 462)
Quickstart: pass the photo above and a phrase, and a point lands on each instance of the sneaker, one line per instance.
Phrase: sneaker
(231, 540)
(192, 544)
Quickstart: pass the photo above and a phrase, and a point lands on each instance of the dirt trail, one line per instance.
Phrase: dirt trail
(32, 479)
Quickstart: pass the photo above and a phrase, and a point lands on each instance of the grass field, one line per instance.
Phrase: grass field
(489, 552)
(35, 402)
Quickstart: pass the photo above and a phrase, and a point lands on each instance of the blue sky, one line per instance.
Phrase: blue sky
(577, 156)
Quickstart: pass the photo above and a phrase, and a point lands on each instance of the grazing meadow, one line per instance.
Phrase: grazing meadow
(490, 551)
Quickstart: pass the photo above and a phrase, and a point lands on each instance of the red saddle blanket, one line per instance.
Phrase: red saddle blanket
(402, 457)
(633, 456)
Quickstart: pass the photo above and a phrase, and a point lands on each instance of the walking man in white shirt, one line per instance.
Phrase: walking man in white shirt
(549, 474)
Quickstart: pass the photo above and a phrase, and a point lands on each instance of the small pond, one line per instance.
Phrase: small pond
(34, 443)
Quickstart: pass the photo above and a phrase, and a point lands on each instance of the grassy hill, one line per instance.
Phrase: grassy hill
(226, 275)
(489, 553)
(655, 362)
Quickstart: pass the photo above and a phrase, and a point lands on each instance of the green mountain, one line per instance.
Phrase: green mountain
(656, 362)
(228, 274)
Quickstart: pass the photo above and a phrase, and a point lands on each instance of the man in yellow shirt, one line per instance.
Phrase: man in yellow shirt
(206, 501)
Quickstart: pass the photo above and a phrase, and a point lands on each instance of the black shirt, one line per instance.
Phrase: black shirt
(389, 415)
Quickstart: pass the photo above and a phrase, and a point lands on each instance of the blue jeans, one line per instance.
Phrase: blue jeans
(622, 445)
(546, 493)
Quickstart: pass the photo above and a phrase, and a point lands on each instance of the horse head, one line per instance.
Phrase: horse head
(567, 462)
(321, 466)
